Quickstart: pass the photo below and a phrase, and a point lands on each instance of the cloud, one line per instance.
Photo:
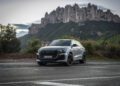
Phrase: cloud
(27, 11)
(21, 32)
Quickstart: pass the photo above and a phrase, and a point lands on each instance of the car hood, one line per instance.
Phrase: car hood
(54, 48)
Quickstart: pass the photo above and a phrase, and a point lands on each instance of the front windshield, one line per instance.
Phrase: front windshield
(61, 43)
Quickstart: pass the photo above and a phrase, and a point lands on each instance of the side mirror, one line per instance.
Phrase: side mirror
(74, 45)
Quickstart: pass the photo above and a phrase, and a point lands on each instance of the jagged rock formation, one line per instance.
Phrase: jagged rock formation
(75, 14)
(34, 28)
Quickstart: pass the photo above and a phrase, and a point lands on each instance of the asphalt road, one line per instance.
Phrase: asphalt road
(89, 74)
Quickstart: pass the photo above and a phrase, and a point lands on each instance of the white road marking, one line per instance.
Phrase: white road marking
(71, 79)
(56, 84)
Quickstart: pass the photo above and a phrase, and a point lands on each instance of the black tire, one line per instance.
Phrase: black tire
(83, 60)
(69, 60)
(42, 63)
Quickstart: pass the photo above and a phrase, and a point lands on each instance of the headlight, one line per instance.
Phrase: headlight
(39, 50)
(61, 51)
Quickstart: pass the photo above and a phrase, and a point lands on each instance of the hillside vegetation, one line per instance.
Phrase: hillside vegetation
(84, 31)
(87, 30)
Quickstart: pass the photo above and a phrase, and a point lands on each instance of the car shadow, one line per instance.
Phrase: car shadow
(60, 65)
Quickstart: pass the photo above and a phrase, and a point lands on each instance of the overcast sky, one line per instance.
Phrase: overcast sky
(27, 11)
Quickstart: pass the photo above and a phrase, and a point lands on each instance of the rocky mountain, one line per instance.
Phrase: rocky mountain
(75, 14)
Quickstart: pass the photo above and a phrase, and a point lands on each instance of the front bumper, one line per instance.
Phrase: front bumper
(58, 58)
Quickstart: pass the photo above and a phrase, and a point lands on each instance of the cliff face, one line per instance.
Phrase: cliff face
(75, 14)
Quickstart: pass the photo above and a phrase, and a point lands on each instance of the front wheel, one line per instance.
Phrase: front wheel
(69, 60)
(41, 63)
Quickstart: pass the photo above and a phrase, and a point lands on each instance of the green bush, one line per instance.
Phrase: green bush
(90, 46)
(8, 41)
(0, 47)
(33, 45)
(10, 46)
(112, 50)
(96, 48)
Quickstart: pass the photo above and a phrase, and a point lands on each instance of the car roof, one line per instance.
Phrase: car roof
(65, 39)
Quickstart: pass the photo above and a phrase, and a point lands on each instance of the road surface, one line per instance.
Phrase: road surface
(89, 74)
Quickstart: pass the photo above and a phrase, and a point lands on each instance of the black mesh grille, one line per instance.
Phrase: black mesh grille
(52, 53)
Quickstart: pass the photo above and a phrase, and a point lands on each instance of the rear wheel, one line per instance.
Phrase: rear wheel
(83, 60)
(69, 60)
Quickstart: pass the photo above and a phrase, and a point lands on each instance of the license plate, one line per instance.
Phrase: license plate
(48, 57)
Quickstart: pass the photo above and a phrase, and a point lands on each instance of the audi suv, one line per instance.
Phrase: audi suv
(64, 51)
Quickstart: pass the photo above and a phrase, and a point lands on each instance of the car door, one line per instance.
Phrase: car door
(75, 49)
(79, 50)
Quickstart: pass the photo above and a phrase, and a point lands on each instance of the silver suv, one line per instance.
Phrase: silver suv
(61, 50)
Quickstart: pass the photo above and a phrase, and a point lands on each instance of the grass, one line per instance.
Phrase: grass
(19, 56)
(101, 58)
